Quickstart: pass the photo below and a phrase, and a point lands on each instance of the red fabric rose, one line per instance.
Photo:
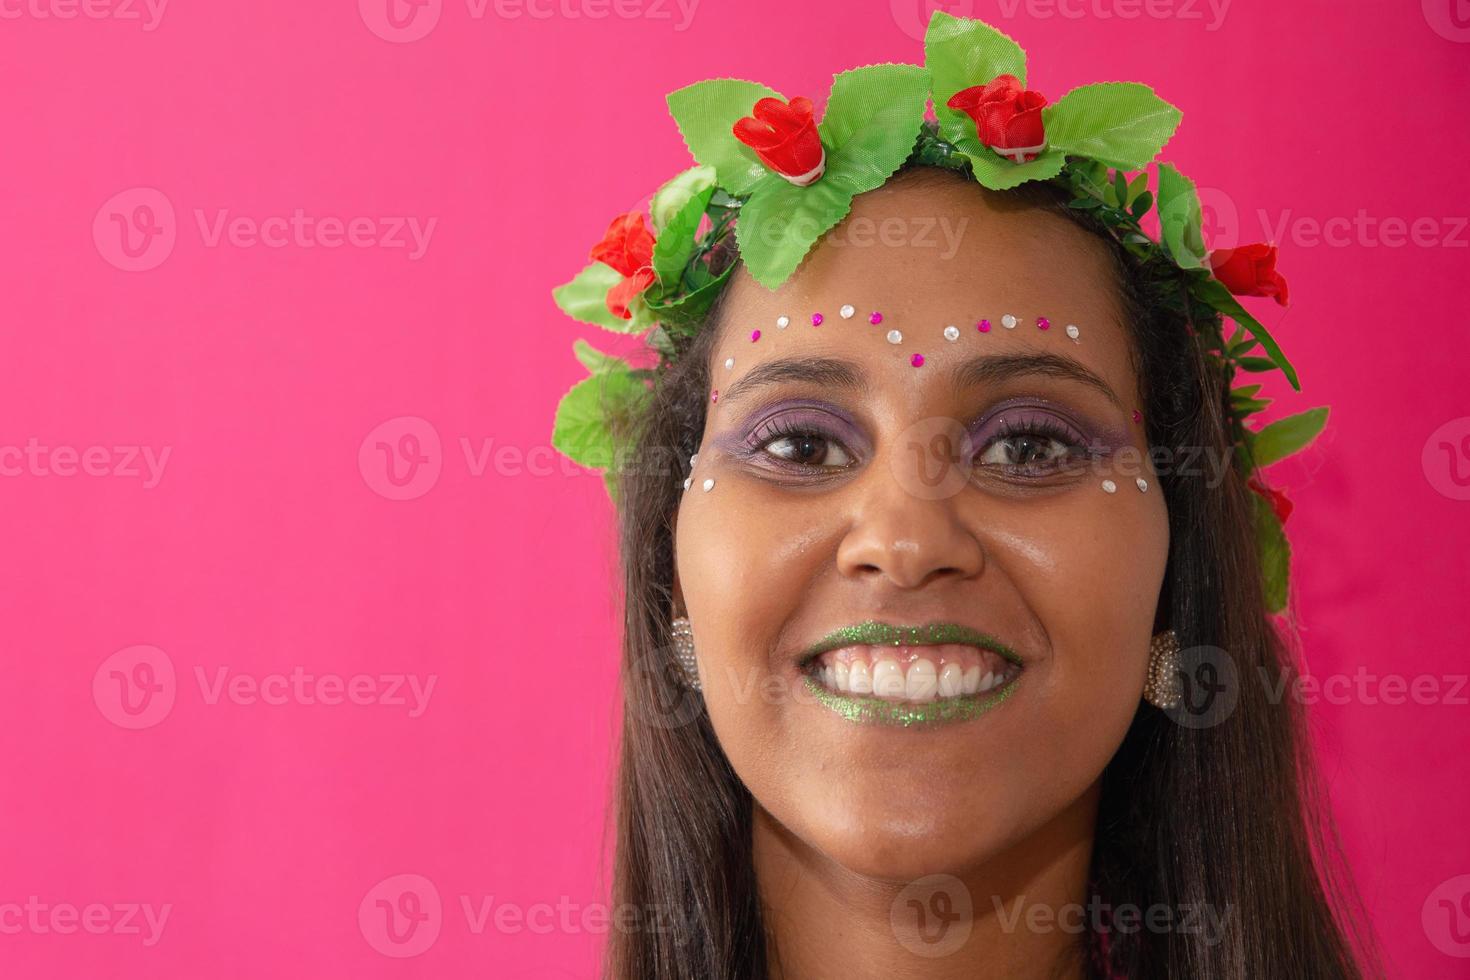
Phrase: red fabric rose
(1007, 116)
(1278, 500)
(628, 248)
(1249, 270)
(785, 138)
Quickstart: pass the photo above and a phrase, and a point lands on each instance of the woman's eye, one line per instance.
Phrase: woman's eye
(1026, 449)
(807, 449)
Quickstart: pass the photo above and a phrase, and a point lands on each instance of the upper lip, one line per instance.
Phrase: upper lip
(895, 634)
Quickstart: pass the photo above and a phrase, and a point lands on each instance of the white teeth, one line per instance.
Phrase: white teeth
(907, 676)
(888, 680)
(951, 681)
(922, 681)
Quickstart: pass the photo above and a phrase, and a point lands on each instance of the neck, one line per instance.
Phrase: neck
(1018, 920)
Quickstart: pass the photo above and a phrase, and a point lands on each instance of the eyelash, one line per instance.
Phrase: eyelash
(780, 429)
(1043, 429)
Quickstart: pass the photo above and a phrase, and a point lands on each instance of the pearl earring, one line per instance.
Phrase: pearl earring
(1163, 688)
(684, 652)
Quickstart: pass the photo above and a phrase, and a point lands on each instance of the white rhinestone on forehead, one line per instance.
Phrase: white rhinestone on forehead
(895, 337)
(1008, 321)
(1074, 333)
(847, 311)
(783, 321)
(1109, 486)
(951, 333)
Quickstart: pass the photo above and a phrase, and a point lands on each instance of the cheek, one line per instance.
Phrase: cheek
(745, 564)
(1089, 566)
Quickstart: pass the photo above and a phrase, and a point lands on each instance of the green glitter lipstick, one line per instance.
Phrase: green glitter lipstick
(909, 676)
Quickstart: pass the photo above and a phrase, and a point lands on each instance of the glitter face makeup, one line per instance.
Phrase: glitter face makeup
(878, 673)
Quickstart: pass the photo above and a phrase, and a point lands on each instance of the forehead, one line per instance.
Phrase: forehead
(927, 254)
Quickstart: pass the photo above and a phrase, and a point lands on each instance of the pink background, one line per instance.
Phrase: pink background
(273, 539)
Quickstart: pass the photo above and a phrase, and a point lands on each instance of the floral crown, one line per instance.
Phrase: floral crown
(773, 179)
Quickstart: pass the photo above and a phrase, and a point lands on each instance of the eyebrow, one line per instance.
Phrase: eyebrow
(985, 369)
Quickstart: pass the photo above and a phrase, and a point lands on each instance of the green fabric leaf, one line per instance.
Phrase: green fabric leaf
(998, 173)
(670, 199)
(1179, 218)
(1123, 124)
(871, 123)
(581, 431)
(585, 299)
(690, 308)
(706, 113)
(1213, 292)
(1286, 436)
(675, 245)
(780, 222)
(959, 53)
(1275, 554)
(595, 360)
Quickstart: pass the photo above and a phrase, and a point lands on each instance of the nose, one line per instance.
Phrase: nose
(907, 539)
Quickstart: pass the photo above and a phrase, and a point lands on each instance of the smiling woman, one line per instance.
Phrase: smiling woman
(924, 653)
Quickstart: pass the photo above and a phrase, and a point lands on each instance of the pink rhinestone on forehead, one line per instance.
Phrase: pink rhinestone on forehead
(876, 318)
(983, 326)
(817, 319)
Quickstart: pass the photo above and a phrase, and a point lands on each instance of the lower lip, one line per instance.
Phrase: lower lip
(862, 709)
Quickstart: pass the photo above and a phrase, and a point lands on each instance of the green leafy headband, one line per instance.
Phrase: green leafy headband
(774, 179)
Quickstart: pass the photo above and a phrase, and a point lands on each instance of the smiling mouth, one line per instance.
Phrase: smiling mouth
(877, 672)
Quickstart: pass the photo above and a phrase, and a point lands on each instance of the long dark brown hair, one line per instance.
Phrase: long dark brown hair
(1228, 816)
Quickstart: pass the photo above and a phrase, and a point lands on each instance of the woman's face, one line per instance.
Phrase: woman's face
(852, 486)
